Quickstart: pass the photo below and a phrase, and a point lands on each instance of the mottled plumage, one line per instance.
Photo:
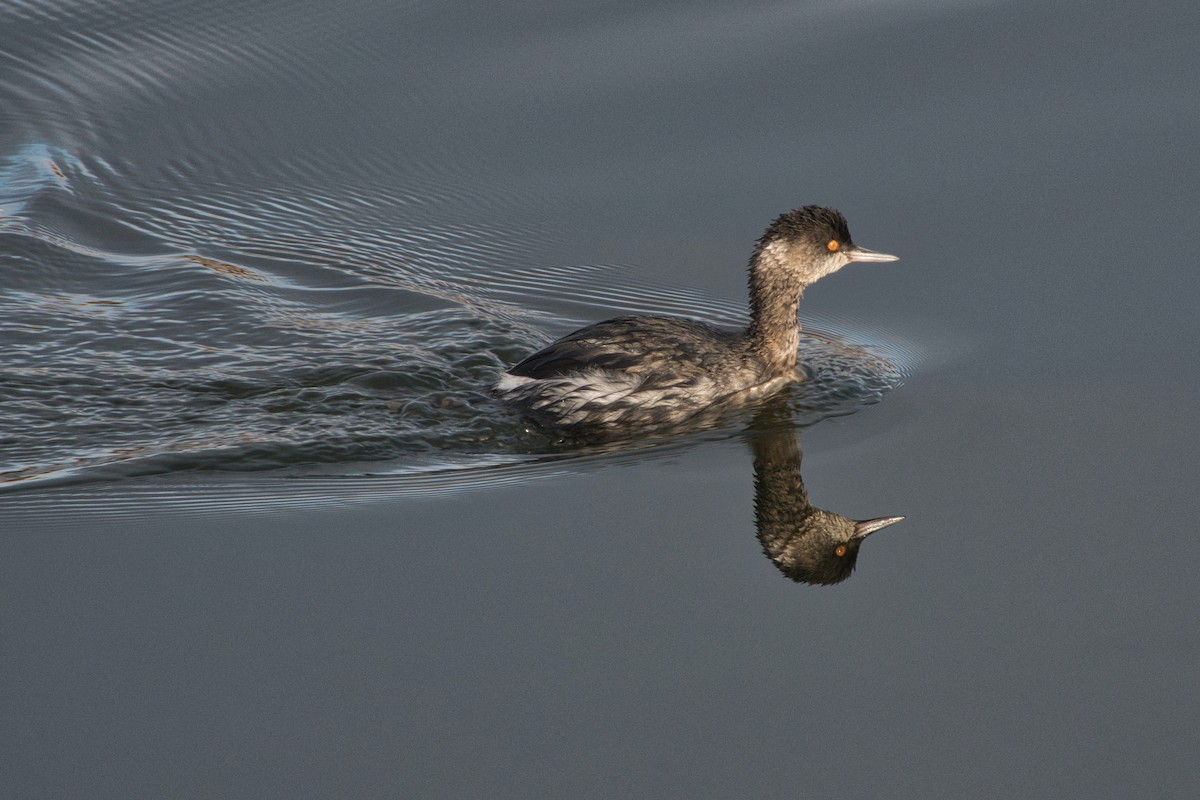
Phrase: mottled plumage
(648, 371)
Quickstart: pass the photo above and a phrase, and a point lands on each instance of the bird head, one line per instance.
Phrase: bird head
(810, 243)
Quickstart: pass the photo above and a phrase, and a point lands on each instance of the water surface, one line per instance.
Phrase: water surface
(266, 534)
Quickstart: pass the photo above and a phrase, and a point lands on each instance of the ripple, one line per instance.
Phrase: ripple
(216, 294)
(235, 334)
(332, 487)
(87, 71)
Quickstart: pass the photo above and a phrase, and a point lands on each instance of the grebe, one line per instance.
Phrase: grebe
(648, 371)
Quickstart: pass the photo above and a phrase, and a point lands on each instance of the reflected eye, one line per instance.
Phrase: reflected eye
(833, 245)
(840, 550)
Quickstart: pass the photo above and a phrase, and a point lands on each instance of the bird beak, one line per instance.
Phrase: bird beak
(864, 528)
(863, 254)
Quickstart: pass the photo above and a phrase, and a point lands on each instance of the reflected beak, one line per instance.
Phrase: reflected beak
(864, 528)
(863, 254)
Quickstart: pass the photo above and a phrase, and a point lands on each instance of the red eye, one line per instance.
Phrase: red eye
(833, 245)
(841, 548)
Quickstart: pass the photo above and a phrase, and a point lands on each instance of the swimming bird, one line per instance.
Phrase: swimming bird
(644, 371)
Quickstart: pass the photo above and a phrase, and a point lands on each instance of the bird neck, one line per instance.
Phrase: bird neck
(775, 293)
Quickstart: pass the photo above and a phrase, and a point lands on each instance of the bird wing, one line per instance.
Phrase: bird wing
(636, 345)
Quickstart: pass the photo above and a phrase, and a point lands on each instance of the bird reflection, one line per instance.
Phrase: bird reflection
(806, 543)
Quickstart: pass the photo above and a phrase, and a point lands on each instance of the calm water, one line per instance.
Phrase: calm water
(265, 534)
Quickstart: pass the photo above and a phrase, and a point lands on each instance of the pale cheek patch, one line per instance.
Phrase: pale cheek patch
(778, 252)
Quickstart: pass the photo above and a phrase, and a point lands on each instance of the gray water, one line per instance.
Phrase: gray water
(265, 534)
